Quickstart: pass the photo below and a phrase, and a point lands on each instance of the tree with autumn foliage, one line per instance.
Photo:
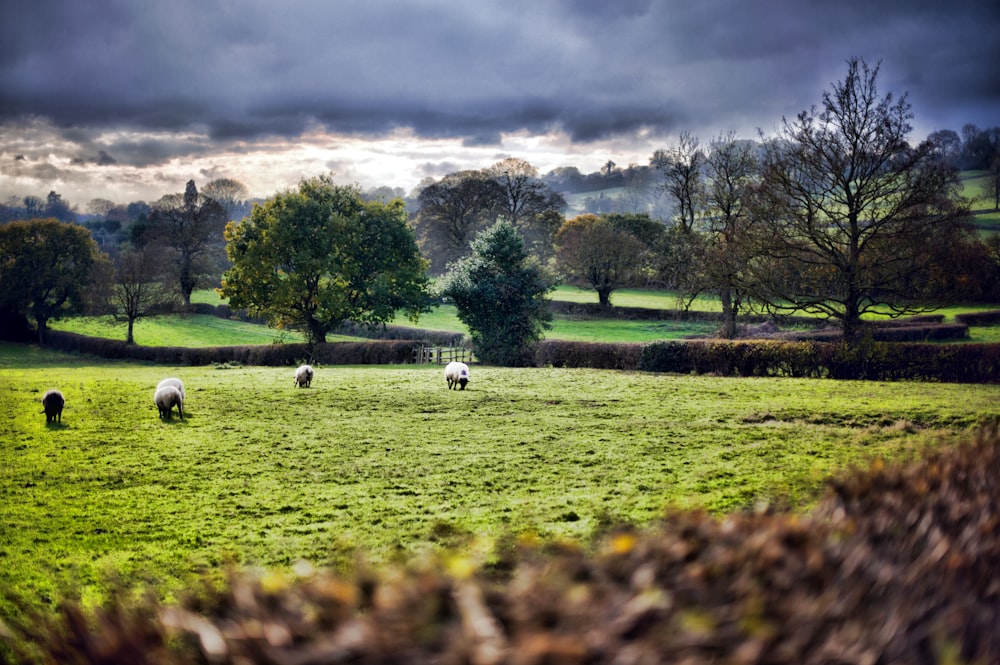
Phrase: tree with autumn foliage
(598, 253)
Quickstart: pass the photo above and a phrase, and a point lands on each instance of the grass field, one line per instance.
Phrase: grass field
(388, 462)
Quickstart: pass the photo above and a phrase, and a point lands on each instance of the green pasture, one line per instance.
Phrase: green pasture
(386, 463)
(192, 330)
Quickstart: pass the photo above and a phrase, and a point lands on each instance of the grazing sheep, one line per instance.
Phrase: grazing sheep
(176, 383)
(304, 376)
(457, 374)
(52, 406)
(166, 398)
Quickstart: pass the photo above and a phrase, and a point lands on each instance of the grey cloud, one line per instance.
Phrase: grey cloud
(593, 68)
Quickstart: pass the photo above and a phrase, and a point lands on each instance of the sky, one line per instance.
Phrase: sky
(128, 100)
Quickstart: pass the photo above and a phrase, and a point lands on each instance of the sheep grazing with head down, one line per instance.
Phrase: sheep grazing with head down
(176, 383)
(303, 376)
(457, 375)
(166, 398)
(52, 406)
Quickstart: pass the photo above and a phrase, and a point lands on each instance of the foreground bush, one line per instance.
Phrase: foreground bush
(897, 564)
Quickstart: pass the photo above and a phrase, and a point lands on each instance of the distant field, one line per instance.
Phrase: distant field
(648, 298)
(576, 202)
(194, 330)
(386, 462)
(987, 219)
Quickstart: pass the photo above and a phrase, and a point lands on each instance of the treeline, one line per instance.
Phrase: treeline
(808, 221)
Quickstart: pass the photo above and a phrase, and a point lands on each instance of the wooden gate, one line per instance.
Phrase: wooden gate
(442, 355)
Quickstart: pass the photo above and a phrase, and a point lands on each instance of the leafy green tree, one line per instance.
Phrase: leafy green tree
(847, 209)
(48, 269)
(500, 295)
(318, 256)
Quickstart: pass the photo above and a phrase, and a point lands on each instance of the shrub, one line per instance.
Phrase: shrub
(373, 352)
(597, 355)
(666, 357)
(867, 359)
(979, 318)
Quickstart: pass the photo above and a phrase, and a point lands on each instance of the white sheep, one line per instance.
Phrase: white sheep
(52, 406)
(304, 376)
(166, 398)
(176, 383)
(457, 374)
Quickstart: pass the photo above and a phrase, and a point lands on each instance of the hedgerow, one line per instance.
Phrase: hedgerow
(867, 359)
(979, 318)
(373, 352)
(880, 361)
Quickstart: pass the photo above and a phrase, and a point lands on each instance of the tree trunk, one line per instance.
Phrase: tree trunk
(852, 322)
(129, 339)
(187, 282)
(316, 333)
(604, 296)
(43, 329)
(728, 330)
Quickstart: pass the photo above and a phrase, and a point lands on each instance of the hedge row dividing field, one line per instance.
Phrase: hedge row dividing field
(386, 463)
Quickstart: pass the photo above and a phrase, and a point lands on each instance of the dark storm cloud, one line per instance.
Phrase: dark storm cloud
(595, 69)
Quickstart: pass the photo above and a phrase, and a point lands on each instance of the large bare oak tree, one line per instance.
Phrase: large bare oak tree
(850, 219)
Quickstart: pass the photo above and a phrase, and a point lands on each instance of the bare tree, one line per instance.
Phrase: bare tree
(452, 211)
(525, 196)
(230, 194)
(682, 169)
(992, 188)
(100, 207)
(190, 226)
(847, 209)
(731, 170)
(139, 290)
